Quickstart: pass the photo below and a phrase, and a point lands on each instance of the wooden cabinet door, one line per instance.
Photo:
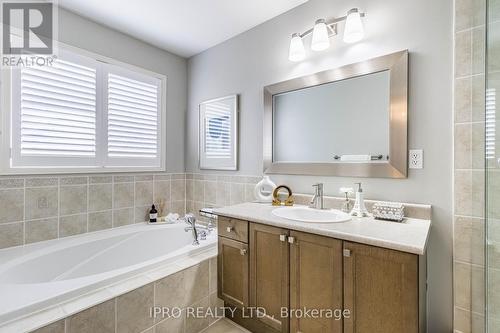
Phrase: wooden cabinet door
(380, 290)
(269, 274)
(315, 282)
(232, 272)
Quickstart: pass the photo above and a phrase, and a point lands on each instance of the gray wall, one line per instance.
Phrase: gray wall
(256, 58)
(80, 32)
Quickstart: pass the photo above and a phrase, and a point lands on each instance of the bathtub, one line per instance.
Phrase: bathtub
(43, 275)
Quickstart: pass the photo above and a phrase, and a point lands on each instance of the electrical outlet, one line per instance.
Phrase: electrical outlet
(416, 159)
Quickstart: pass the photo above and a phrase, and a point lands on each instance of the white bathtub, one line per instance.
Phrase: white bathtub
(41, 275)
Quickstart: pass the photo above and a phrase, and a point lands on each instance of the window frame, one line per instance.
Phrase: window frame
(7, 139)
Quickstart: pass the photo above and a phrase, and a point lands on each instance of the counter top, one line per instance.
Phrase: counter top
(408, 236)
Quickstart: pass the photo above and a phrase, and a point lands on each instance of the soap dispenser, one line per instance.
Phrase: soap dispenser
(359, 209)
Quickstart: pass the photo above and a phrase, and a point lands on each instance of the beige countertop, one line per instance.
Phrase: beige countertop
(408, 236)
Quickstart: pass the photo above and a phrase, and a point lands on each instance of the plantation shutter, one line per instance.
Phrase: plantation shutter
(218, 141)
(490, 123)
(55, 114)
(218, 130)
(83, 112)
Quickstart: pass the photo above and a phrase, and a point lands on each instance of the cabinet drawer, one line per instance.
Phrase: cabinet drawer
(233, 228)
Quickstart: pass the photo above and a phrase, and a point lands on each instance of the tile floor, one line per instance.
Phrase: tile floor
(225, 326)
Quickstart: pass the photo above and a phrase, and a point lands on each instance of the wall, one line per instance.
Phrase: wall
(35, 208)
(469, 186)
(256, 58)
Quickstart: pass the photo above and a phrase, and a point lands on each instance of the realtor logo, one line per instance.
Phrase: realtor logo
(28, 33)
(28, 27)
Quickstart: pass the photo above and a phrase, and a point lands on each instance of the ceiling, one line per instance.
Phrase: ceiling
(183, 27)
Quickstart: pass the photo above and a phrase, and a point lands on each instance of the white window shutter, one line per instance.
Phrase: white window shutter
(133, 119)
(83, 113)
(218, 130)
(218, 133)
(490, 123)
(54, 114)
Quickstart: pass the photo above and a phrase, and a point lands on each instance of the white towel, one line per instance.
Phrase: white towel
(355, 158)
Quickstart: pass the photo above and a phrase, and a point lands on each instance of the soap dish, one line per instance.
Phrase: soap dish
(390, 211)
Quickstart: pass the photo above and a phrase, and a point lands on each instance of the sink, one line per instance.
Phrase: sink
(306, 214)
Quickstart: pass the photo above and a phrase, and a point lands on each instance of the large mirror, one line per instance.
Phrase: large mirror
(350, 121)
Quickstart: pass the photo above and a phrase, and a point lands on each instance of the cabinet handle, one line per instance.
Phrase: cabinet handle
(283, 238)
(291, 240)
(229, 229)
(346, 252)
(243, 251)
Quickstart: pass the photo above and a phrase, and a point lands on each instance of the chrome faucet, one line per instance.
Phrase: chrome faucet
(317, 200)
(197, 234)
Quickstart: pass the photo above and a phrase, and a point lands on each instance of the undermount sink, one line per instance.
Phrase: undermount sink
(306, 214)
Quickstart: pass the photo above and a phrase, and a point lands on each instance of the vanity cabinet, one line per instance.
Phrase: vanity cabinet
(315, 281)
(269, 274)
(380, 290)
(232, 265)
(232, 261)
(274, 268)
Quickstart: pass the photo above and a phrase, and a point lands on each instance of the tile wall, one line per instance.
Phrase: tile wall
(204, 190)
(34, 209)
(130, 313)
(38, 209)
(469, 166)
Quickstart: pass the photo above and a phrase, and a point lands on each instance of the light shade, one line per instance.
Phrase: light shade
(320, 39)
(354, 31)
(296, 52)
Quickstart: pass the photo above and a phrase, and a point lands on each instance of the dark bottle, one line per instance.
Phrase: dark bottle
(153, 214)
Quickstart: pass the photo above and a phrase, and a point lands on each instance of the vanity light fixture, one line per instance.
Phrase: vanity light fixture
(323, 30)
(297, 52)
(354, 30)
(320, 39)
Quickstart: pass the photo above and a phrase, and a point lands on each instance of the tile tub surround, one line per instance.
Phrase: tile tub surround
(209, 190)
(34, 209)
(469, 165)
(126, 307)
(409, 236)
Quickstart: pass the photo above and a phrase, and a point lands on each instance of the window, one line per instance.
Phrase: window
(490, 123)
(83, 113)
(218, 133)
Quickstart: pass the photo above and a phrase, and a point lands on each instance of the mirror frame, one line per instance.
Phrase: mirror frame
(397, 166)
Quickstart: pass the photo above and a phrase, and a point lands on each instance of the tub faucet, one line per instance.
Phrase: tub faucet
(317, 200)
(197, 234)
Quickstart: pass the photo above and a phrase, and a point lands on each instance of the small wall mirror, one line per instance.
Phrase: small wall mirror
(350, 121)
